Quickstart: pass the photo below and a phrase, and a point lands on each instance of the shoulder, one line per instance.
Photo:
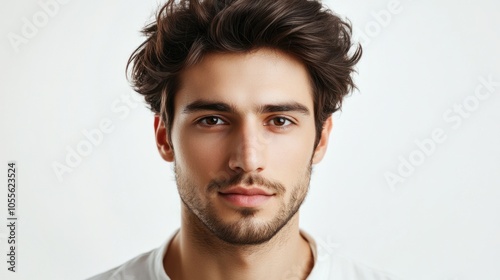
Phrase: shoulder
(135, 268)
(336, 266)
(330, 264)
(148, 265)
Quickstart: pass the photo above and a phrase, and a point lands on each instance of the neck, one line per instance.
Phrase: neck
(286, 255)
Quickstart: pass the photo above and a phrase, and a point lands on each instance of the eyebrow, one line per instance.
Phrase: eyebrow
(204, 105)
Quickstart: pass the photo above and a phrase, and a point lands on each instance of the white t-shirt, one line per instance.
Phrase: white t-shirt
(328, 265)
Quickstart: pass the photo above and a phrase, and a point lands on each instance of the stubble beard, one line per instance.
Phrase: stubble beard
(248, 230)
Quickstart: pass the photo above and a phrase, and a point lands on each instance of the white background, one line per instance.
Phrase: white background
(441, 223)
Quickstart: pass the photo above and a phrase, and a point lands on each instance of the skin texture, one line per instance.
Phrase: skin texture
(242, 120)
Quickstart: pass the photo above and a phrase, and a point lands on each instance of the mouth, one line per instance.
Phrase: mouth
(246, 197)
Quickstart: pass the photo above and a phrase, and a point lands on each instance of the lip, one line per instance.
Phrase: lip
(246, 191)
(246, 197)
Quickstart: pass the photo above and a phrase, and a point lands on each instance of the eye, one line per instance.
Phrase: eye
(280, 122)
(211, 121)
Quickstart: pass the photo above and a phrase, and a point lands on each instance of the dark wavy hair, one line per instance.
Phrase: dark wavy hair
(186, 30)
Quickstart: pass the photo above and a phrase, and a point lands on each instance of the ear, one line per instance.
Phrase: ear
(162, 142)
(320, 150)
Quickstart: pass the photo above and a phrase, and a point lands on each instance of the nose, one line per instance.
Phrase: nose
(248, 150)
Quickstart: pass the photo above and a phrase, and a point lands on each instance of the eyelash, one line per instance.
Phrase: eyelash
(201, 120)
(285, 126)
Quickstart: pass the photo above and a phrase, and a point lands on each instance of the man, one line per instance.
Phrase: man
(243, 92)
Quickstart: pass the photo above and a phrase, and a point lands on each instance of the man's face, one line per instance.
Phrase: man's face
(243, 142)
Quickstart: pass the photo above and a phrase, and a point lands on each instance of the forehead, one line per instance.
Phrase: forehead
(244, 79)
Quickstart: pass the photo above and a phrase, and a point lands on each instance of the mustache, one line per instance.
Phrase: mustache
(227, 182)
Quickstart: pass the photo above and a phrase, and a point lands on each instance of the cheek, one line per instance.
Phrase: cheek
(200, 156)
(291, 154)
